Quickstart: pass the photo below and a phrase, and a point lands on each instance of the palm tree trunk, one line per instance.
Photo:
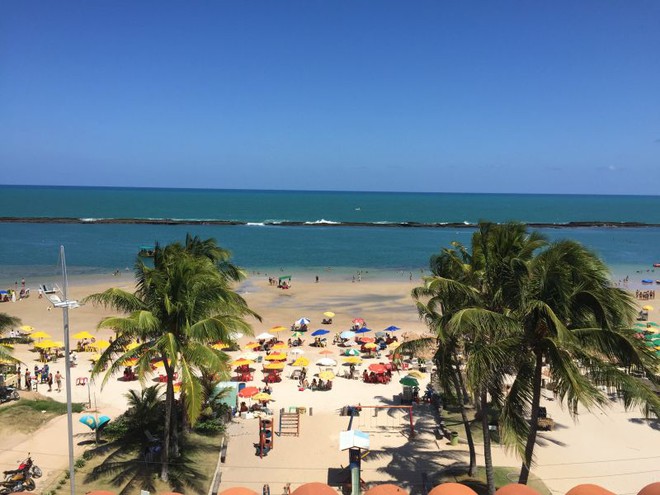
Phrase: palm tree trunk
(169, 406)
(488, 458)
(464, 392)
(533, 427)
(466, 423)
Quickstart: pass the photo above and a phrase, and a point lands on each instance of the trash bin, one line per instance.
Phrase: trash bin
(454, 438)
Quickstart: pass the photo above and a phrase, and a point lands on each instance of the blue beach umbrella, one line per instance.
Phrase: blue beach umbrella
(392, 328)
(363, 330)
(319, 332)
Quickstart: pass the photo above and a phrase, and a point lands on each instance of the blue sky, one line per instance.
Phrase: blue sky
(514, 96)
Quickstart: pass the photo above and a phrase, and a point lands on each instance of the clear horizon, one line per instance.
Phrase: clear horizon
(513, 98)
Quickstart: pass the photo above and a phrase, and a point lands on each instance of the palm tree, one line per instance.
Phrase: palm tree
(181, 305)
(7, 322)
(466, 301)
(577, 324)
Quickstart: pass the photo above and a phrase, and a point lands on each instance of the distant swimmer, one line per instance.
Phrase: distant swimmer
(358, 208)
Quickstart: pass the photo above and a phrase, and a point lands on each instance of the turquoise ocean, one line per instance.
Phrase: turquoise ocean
(302, 231)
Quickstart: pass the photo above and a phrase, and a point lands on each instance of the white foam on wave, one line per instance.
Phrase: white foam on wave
(322, 222)
(255, 224)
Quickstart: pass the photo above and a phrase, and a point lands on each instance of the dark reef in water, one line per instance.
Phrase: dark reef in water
(171, 221)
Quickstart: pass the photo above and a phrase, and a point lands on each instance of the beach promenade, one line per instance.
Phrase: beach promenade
(612, 448)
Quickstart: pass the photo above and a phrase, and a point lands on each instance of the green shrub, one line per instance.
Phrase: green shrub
(212, 426)
(80, 462)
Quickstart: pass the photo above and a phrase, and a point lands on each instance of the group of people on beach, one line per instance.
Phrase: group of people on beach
(645, 295)
(40, 375)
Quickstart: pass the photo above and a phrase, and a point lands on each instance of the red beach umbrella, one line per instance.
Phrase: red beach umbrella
(365, 340)
(516, 489)
(248, 392)
(239, 490)
(377, 368)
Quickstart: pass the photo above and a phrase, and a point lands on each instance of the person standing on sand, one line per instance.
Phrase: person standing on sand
(50, 382)
(58, 381)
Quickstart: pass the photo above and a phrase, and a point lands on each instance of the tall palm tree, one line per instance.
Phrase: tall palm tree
(577, 324)
(181, 305)
(466, 301)
(7, 322)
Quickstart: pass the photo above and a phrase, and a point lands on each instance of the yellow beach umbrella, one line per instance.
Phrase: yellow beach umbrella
(280, 347)
(129, 362)
(26, 328)
(393, 345)
(220, 346)
(95, 357)
(100, 345)
(648, 307)
(278, 328)
(277, 365)
(83, 335)
(40, 335)
(329, 314)
(46, 344)
(326, 375)
(370, 345)
(301, 361)
(261, 397)
(353, 360)
(242, 362)
(132, 345)
(277, 356)
(417, 374)
(57, 343)
(252, 345)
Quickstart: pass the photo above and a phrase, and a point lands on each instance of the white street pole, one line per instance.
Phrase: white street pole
(67, 378)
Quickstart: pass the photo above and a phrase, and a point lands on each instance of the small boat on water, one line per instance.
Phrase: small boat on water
(647, 281)
(146, 252)
(656, 265)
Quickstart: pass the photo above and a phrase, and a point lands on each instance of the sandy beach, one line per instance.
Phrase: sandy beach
(612, 448)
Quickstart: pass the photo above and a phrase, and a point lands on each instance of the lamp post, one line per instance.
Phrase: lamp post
(65, 304)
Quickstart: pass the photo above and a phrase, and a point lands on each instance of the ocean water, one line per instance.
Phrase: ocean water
(338, 231)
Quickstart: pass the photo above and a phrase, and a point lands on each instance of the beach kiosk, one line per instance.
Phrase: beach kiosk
(354, 441)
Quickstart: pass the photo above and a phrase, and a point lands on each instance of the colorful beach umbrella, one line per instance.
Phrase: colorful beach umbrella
(301, 361)
(417, 374)
(370, 345)
(409, 381)
(366, 340)
(276, 356)
(351, 352)
(83, 335)
(326, 375)
(252, 345)
(248, 392)
(377, 368)
(26, 328)
(320, 332)
(100, 345)
(358, 321)
(40, 335)
(303, 321)
(275, 365)
(353, 360)
(278, 329)
(220, 346)
(329, 314)
(280, 346)
(261, 397)
(648, 307)
(264, 336)
(242, 362)
(295, 335)
(326, 352)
